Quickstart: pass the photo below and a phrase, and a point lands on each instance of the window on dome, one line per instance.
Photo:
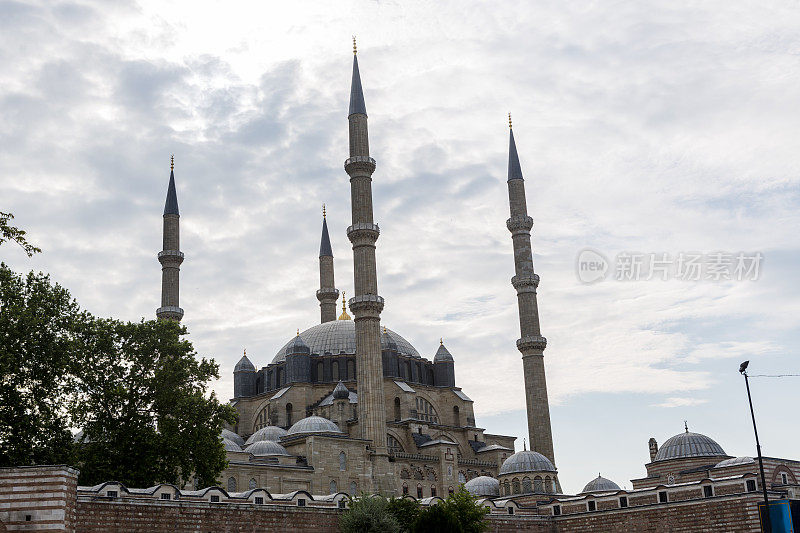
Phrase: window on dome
(335, 370)
(526, 485)
(549, 486)
(111, 494)
(784, 478)
(426, 412)
(214, 498)
(556, 510)
(320, 372)
(538, 486)
(515, 485)
(259, 500)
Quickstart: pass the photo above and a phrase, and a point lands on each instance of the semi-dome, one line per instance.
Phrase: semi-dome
(230, 446)
(313, 424)
(273, 433)
(266, 447)
(338, 336)
(230, 435)
(735, 462)
(688, 444)
(600, 484)
(483, 486)
(527, 461)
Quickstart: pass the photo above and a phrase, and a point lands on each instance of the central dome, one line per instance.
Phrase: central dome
(689, 444)
(338, 336)
(527, 461)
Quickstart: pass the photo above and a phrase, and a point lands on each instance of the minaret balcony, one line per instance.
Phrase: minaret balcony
(363, 233)
(531, 342)
(523, 281)
(169, 312)
(172, 257)
(327, 293)
(366, 305)
(358, 163)
(519, 224)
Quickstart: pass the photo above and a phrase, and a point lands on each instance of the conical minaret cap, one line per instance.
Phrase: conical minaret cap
(514, 169)
(325, 244)
(357, 105)
(341, 392)
(442, 354)
(171, 205)
(244, 365)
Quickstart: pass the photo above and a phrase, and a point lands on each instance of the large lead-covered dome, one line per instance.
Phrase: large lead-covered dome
(338, 336)
(689, 444)
(527, 461)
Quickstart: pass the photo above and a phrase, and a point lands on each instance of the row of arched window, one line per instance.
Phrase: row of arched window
(546, 485)
(420, 493)
(345, 373)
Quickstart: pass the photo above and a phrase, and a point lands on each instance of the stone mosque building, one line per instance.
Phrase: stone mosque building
(350, 405)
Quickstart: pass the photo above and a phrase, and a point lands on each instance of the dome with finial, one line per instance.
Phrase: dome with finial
(688, 444)
(244, 364)
(483, 486)
(442, 354)
(527, 461)
(297, 346)
(600, 484)
(341, 392)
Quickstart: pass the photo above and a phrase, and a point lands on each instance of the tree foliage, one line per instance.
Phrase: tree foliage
(405, 511)
(368, 514)
(14, 234)
(136, 390)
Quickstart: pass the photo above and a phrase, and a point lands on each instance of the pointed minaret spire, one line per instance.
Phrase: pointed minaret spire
(531, 343)
(171, 256)
(327, 293)
(366, 305)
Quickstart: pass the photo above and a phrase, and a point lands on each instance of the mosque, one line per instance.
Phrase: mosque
(350, 405)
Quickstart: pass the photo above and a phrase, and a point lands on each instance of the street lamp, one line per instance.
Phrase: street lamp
(767, 523)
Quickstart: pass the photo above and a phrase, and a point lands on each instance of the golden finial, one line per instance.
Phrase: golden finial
(245, 352)
(441, 341)
(354, 45)
(509, 121)
(298, 332)
(344, 315)
(323, 210)
(172, 162)
(384, 329)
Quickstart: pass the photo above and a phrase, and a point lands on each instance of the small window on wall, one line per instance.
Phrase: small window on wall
(259, 500)
(751, 485)
(342, 461)
(433, 490)
(332, 487)
(301, 502)
(510, 510)
(214, 498)
(166, 496)
(353, 488)
(592, 505)
(708, 491)
(784, 478)
(419, 491)
(111, 494)
(556, 510)
(253, 483)
(662, 497)
(231, 484)
(623, 501)
(405, 489)
(342, 504)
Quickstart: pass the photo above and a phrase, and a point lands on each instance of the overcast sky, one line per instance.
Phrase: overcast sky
(658, 127)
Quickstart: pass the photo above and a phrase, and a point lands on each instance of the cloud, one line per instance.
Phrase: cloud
(680, 402)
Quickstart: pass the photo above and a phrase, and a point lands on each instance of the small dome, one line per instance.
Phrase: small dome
(266, 447)
(527, 461)
(273, 433)
(387, 341)
(341, 392)
(297, 346)
(483, 486)
(689, 444)
(735, 462)
(442, 354)
(600, 484)
(231, 446)
(230, 435)
(313, 424)
(244, 365)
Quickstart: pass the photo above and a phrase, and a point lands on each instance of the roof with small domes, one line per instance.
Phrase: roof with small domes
(230, 446)
(266, 447)
(527, 461)
(600, 484)
(313, 424)
(230, 435)
(688, 444)
(273, 433)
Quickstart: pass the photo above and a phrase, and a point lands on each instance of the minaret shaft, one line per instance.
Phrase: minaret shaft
(531, 343)
(327, 293)
(170, 258)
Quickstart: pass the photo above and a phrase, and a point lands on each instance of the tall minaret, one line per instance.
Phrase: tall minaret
(366, 305)
(171, 256)
(531, 342)
(327, 293)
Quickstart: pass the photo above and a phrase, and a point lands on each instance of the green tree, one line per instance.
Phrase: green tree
(368, 514)
(438, 518)
(11, 233)
(464, 506)
(405, 511)
(143, 404)
(38, 359)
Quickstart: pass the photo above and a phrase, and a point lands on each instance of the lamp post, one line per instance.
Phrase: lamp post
(767, 522)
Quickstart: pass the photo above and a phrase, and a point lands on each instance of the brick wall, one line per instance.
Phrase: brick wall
(174, 517)
(38, 498)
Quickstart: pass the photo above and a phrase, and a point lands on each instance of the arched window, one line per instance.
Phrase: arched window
(335, 370)
(537, 485)
(288, 414)
(351, 369)
(405, 474)
(433, 490)
(456, 417)
(515, 486)
(393, 444)
(507, 488)
(320, 372)
(419, 491)
(253, 483)
(548, 485)
(405, 489)
(279, 378)
(353, 488)
(332, 487)
(526, 485)
(408, 370)
(231, 484)
(397, 408)
(426, 412)
(462, 478)
(342, 461)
